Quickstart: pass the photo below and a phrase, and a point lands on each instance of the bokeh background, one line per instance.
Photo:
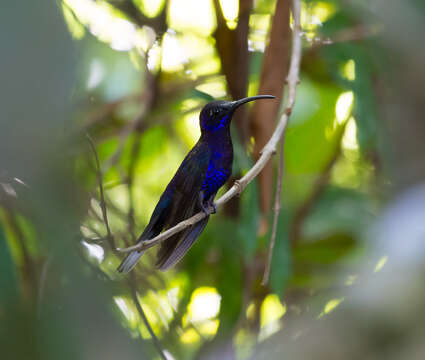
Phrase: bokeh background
(348, 267)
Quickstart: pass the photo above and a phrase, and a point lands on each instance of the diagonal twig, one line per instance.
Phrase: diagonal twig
(276, 210)
(356, 33)
(110, 238)
(268, 151)
(144, 318)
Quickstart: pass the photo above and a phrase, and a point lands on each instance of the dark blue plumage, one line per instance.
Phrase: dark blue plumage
(192, 189)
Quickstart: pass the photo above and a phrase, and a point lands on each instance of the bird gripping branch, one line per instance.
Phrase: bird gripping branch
(202, 173)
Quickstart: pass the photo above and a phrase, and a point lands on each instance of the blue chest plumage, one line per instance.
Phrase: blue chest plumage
(220, 164)
(215, 178)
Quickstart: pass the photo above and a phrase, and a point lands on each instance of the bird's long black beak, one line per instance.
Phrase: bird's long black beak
(237, 103)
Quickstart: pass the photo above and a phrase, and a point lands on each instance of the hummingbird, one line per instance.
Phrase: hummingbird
(202, 173)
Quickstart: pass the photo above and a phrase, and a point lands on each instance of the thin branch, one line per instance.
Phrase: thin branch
(107, 109)
(130, 180)
(276, 211)
(110, 238)
(268, 151)
(135, 15)
(356, 33)
(145, 319)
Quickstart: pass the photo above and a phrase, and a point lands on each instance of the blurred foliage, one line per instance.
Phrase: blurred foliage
(134, 75)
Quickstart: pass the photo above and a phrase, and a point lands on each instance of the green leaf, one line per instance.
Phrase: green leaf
(340, 210)
(249, 216)
(309, 139)
(280, 270)
(195, 93)
(8, 280)
(248, 222)
(327, 250)
(229, 285)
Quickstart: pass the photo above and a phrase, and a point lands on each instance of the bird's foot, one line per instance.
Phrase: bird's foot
(214, 208)
(209, 209)
(206, 207)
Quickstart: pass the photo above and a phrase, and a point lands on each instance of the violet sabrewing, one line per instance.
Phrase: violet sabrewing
(192, 189)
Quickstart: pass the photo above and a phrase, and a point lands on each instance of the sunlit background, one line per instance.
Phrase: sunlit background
(134, 75)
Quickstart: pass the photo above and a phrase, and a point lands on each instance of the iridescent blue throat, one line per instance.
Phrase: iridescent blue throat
(220, 125)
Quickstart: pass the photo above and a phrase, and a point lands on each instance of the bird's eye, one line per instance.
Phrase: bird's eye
(213, 111)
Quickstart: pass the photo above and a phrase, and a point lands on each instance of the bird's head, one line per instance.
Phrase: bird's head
(218, 114)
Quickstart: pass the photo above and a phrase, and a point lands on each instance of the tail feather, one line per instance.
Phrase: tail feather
(174, 254)
(130, 261)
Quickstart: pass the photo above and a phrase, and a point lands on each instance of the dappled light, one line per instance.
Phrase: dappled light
(295, 229)
(128, 310)
(330, 306)
(313, 15)
(343, 106)
(199, 20)
(230, 12)
(381, 263)
(349, 140)
(173, 56)
(102, 23)
(349, 70)
(204, 304)
(94, 251)
(271, 312)
(150, 7)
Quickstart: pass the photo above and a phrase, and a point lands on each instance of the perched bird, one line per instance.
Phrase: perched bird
(193, 188)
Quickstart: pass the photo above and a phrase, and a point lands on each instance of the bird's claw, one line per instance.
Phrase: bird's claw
(207, 209)
(214, 208)
(206, 206)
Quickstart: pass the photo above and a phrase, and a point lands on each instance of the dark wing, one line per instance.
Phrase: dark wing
(155, 226)
(172, 255)
(177, 199)
(186, 187)
(156, 223)
(176, 203)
